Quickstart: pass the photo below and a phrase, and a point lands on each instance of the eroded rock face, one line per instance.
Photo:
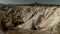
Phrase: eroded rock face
(43, 18)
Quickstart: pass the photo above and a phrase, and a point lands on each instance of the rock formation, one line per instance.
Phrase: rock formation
(38, 19)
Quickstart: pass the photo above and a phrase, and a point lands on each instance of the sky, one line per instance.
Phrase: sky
(29, 1)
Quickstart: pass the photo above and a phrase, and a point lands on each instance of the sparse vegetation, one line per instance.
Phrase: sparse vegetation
(58, 28)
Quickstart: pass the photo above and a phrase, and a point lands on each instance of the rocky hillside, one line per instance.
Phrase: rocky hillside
(35, 19)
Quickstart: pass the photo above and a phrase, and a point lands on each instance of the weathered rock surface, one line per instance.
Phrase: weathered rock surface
(44, 18)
